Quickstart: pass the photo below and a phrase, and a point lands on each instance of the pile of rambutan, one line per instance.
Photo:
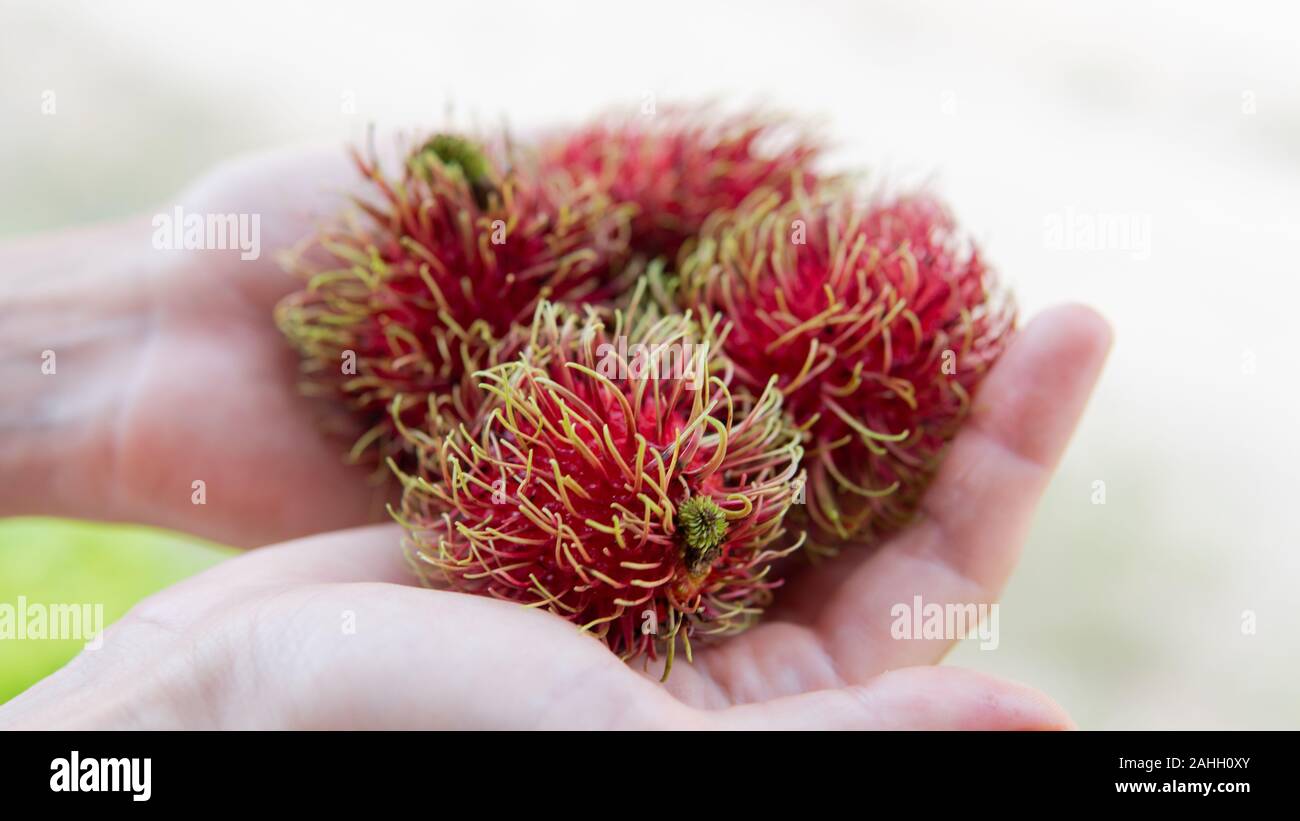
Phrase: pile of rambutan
(620, 372)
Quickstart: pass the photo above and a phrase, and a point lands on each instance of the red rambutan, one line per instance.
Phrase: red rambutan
(424, 284)
(877, 322)
(679, 165)
(614, 479)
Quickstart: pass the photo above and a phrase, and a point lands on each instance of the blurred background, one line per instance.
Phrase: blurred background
(1167, 600)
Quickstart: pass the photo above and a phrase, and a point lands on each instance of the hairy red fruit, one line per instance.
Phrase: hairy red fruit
(637, 497)
(679, 165)
(423, 286)
(878, 322)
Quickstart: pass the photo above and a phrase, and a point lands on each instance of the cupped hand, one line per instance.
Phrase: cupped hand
(328, 631)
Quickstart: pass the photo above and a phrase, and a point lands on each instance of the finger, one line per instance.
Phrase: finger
(294, 192)
(361, 554)
(364, 554)
(980, 507)
(976, 515)
(336, 616)
(382, 656)
(439, 660)
(916, 698)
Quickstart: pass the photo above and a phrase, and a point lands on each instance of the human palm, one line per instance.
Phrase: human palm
(214, 392)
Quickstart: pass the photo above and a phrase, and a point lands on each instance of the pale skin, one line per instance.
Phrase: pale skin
(170, 370)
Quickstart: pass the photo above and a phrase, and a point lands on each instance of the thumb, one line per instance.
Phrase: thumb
(913, 698)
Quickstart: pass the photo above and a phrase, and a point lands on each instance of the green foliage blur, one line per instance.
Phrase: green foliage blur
(53, 561)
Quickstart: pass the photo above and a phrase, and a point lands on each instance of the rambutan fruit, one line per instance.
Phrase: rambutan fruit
(613, 478)
(422, 287)
(876, 321)
(681, 164)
